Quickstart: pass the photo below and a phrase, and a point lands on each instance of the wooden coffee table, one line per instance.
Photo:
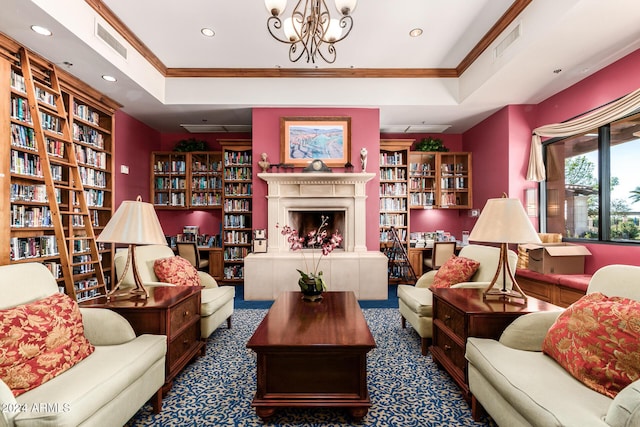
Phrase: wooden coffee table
(312, 354)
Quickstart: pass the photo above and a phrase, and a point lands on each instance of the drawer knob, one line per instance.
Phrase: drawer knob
(186, 313)
(447, 347)
(185, 342)
(447, 317)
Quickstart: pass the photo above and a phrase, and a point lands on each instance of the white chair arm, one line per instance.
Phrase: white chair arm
(527, 332)
(9, 406)
(207, 280)
(106, 327)
(426, 280)
(625, 408)
(472, 285)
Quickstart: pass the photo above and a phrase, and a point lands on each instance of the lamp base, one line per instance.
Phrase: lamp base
(134, 293)
(515, 291)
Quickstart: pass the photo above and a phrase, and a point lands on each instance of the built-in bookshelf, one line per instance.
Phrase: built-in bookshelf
(186, 180)
(237, 217)
(394, 201)
(57, 183)
(440, 180)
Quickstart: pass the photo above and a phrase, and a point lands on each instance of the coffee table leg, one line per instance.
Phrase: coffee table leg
(358, 413)
(265, 413)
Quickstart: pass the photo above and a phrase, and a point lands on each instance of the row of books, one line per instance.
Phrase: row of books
(421, 184)
(237, 173)
(173, 199)
(205, 167)
(238, 189)
(393, 189)
(237, 205)
(33, 247)
(457, 183)
(92, 177)
(236, 221)
(46, 97)
(234, 272)
(389, 204)
(17, 82)
(235, 253)
(91, 157)
(396, 220)
(85, 113)
(392, 159)
(87, 135)
(421, 169)
(203, 183)
(83, 264)
(170, 183)
(19, 110)
(391, 174)
(94, 198)
(234, 237)
(206, 199)
(387, 236)
(422, 199)
(50, 123)
(173, 166)
(237, 158)
(30, 216)
(31, 193)
(23, 137)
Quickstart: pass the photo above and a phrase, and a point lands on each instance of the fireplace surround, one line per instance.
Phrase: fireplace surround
(352, 268)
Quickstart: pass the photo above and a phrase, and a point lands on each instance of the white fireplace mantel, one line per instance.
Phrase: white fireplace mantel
(317, 190)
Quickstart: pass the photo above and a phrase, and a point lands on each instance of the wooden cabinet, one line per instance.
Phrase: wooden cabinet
(56, 180)
(173, 311)
(415, 259)
(394, 194)
(237, 208)
(462, 313)
(186, 180)
(440, 180)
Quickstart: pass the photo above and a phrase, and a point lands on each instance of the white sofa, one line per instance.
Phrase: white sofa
(518, 385)
(216, 301)
(416, 302)
(106, 388)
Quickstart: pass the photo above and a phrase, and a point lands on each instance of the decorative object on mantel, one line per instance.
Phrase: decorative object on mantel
(348, 167)
(316, 165)
(191, 144)
(431, 144)
(310, 30)
(363, 158)
(264, 163)
(311, 282)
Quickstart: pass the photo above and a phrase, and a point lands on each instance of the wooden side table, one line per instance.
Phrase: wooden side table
(173, 311)
(462, 313)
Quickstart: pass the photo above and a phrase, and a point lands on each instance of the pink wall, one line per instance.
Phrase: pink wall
(365, 125)
(504, 140)
(134, 142)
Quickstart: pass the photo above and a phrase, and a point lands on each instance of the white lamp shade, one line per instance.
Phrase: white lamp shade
(277, 5)
(134, 223)
(346, 5)
(333, 32)
(291, 29)
(504, 220)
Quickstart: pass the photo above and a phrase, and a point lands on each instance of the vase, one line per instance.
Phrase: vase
(311, 289)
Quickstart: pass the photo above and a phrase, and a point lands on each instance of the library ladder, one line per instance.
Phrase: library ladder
(77, 246)
(400, 269)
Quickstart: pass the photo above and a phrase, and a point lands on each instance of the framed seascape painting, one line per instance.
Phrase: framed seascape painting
(304, 139)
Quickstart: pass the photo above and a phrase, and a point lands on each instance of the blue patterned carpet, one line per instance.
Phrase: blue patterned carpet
(406, 388)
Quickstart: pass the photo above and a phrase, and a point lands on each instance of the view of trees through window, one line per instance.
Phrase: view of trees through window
(593, 183)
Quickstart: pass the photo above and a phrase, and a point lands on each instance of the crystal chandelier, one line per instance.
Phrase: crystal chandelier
(310, 31)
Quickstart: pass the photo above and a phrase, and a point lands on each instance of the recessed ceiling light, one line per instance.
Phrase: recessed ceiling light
(41, 30)
(208, 32)
(416, 32)
(109, 78)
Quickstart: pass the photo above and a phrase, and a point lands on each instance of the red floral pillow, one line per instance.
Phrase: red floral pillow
(455, 270)
(39, 341)
(597, 340)
(176, 270)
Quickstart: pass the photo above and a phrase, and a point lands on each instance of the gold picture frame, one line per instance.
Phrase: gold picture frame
(303, 139)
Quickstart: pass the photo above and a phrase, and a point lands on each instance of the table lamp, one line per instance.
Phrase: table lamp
(504, 221)
(134, 223)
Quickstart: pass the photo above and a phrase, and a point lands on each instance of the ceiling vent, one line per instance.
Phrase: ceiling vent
(413, 128)
(509, 39)
(104, 35)
(196, 128)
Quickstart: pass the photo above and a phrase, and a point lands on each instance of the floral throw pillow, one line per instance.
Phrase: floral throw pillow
(176, 270)
(597, 340)
(455, 270)
(39, 341)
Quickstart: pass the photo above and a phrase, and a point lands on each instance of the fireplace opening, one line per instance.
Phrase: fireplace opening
(308, 221)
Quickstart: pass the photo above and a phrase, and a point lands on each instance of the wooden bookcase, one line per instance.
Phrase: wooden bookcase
(394, 200)
(56, 177)
(440, 180)
(237, 220)
(186, 180)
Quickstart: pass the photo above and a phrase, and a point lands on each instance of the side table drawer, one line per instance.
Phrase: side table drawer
(451, 317)
(182, 344)
(183, 314)
(452, 351)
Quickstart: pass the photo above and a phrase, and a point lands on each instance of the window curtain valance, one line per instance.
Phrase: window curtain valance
(603, 115)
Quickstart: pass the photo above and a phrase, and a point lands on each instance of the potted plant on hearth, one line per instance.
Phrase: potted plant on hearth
(311, 282)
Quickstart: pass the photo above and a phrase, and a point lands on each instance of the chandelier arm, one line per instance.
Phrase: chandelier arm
(331, 54)
(276, 23)
(345, 22)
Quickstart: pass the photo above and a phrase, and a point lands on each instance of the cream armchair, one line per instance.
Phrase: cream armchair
(415, 302)
(217, 301)
(106, 388)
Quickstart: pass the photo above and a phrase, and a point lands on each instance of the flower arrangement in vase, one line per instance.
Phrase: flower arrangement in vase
(311, 282)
